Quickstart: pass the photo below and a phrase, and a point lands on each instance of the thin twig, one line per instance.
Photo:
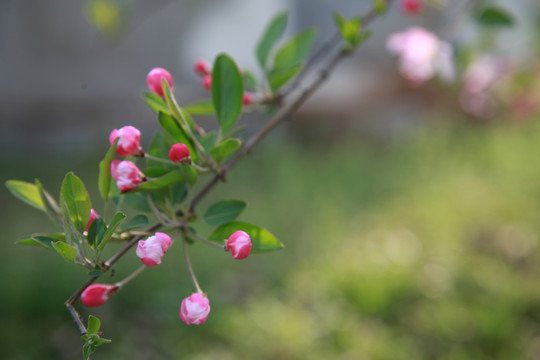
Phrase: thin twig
(324, 49)
(190, 268)
(131, 276)
(206, 241)
(281, 115)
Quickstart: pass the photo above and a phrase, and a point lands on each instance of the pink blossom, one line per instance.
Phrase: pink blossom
(195, 309)
(93, 216)
(129, 142)
(153, 80)
(478, 80)
(247, 98)
(207, 82)
(153, 248)
(97, 294)
(202, 67)
(126, 174)
(422, 55)
(179, 153)
(411, 7)
(239, 244)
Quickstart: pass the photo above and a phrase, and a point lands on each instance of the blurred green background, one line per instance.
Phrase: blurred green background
(410, 231)
(425, 248)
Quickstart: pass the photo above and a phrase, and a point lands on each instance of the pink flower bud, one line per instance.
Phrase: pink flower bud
(239, 244)
(97, 294)
(411, 7)
(195, 309)
(180, 153)
(93, 216)
(129, 142)
(207, 82)
(202, 67)
(153, 79)
(247, 99)
(152, 249)
(126, 174)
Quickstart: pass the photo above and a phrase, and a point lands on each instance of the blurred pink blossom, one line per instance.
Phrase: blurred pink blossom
(422, 55)
(478, 80)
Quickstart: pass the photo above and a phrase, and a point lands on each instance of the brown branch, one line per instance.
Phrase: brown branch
(285, 113)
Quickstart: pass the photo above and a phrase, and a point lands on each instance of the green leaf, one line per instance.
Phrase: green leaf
(174, 133)
(137, 201)
(44, 240)
(159, 149)
(76, 198)
(93, 325)
(170, 178)
(270, 37)
(155, 102)
(380, 6)
(278, 78)
(104, 180)
(96, 231)
(261, 239)
(227, 91)
(102, 341)
(190, 174)
(184, 121)
(225, 149)
(204, 107)
(115, 222)
(250, 81)
(294, 51)
(88, 349)
(156, 172)
(494, 16)
(208, 140)
(349, 30)
(26, 192)
(68, 252)
(224, 211)
(72, 234)
(136, 222)
(51, 207)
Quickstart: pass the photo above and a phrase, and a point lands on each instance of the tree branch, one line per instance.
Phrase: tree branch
(285, 113)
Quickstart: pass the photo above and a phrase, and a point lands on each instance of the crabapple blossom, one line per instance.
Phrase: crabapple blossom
(422, 55)
(97, 294)
(129, 142)
(153, 248)
(207, 82)
(195, 309)
(179, 153)
(202, 67)
(247, 98)
(153, 80)
(478, 79)
(93, 216)
(239, 244)
(127, 174)
(411, 7)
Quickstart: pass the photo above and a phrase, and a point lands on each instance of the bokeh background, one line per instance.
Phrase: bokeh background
(411, 228)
